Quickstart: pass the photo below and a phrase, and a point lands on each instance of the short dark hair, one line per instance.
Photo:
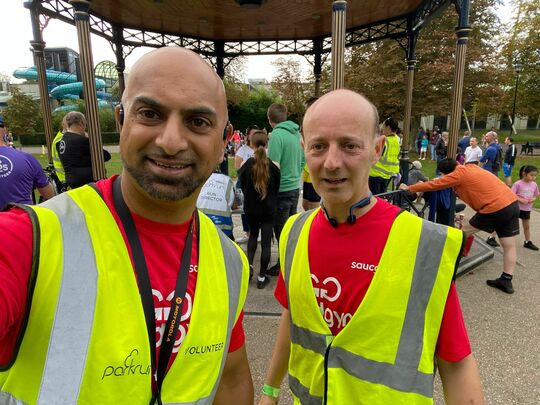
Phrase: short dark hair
(277, 113)
(392, 124)
(510, 139)
(447, 165)
(251, 128)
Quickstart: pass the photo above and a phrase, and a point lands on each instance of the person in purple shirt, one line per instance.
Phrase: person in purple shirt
(20, 173)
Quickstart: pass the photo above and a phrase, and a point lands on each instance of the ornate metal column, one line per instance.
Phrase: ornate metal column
(38, 46)
(411, 62)
(339, 25)
(82, 23)
(317, 66)
(119, 53)
(462, 32)
(219, 49)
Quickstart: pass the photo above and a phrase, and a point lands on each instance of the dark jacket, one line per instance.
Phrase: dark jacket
(253, 204)
(74, 153)
(510, 154)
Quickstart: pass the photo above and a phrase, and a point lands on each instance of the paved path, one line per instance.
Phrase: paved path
(503, 329)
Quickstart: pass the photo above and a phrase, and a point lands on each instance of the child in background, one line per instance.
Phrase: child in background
(259, 178)
(423, 147)
(526, 190)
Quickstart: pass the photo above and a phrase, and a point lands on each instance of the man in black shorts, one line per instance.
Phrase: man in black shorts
(495, 204)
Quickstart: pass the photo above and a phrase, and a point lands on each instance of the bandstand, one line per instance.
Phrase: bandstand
(221, 30)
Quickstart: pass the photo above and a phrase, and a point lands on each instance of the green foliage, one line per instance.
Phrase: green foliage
(21, 113)
(251, 110)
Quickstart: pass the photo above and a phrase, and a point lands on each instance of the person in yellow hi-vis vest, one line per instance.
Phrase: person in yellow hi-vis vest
(57, 163)
(370, 309)
(121, 292)
(388, 164)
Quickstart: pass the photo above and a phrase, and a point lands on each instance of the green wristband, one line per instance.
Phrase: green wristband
(270, 391)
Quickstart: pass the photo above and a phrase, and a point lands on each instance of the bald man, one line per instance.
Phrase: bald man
(121, 292)
(370, 309)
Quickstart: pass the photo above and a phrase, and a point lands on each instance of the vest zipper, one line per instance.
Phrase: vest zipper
(326, 354)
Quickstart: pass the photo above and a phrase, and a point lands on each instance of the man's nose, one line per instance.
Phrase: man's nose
(173, 139)
(333, 158)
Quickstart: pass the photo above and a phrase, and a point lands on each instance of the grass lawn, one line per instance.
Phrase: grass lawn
(114, 166)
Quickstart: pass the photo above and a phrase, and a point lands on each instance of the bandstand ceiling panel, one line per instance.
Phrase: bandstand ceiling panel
(226, 20)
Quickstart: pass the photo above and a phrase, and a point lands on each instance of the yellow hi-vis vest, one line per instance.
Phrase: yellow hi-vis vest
(385, 354)
(58, 167)
(85, 340)
(388, 163)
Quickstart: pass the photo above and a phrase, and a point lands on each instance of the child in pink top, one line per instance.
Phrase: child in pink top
(526, 190)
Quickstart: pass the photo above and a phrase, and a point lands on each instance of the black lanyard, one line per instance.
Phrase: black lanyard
(145, 289)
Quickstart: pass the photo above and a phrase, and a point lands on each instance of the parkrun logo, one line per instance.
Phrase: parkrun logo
(6, 166)
(132, 366)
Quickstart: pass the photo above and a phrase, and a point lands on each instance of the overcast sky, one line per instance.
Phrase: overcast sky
(16, 32)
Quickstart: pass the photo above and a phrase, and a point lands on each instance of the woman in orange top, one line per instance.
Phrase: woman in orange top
(495, 204)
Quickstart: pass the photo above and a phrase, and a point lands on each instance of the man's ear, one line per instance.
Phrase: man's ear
(379, 147)
(119, 115)
(228, 133)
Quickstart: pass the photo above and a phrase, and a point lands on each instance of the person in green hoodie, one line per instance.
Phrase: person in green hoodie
(285, 150)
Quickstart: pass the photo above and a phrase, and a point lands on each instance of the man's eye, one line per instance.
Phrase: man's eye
(351, 146)
(148, 114)
(199, 123)
(317, 147)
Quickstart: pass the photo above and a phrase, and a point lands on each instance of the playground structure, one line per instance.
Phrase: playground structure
(65, 86)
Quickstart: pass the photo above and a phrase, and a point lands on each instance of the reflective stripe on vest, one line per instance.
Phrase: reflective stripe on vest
(69, 349)
(403, 374)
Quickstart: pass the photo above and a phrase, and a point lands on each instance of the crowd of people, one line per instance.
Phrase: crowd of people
(115, 291)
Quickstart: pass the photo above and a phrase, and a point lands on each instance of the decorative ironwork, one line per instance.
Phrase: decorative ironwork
(396, 28)
(43, 21)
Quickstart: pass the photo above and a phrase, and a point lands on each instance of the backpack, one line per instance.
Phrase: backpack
(497, 163)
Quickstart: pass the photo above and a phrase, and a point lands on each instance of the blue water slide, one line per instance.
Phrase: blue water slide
(73, 88)
(53, 76)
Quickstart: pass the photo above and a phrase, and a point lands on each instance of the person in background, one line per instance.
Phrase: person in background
(419, 136)
(489, 158)
(260, 179)
(57, 163)
(423, 147)
(495, 204)
(217, 200)
(388, 165)
(285, 150)
(433, 139)
(509, 160)
(473, 153)
(526, 190)
(242, 155)
(20, 174)
(464, 142)
(74, 151)
(441, 149)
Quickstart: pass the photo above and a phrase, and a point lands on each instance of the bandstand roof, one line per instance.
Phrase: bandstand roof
(262, 30)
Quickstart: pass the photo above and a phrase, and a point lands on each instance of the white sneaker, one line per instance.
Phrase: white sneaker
(243, 239)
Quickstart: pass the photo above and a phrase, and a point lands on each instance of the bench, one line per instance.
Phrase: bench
(529, 147)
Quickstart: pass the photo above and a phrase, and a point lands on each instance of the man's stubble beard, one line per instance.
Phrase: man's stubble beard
(174, 190)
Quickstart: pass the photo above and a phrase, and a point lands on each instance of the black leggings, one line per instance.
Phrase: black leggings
(265, 224)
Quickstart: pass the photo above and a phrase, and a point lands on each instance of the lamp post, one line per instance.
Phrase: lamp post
(517, 68)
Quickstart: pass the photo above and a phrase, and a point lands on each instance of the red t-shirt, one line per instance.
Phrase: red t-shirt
(162, 245)
(342, 266)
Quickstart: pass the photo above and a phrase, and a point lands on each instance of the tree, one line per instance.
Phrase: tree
(523, 47)
(291, 85)
(21, 113)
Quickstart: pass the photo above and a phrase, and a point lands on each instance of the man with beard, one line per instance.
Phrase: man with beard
(97, 286)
